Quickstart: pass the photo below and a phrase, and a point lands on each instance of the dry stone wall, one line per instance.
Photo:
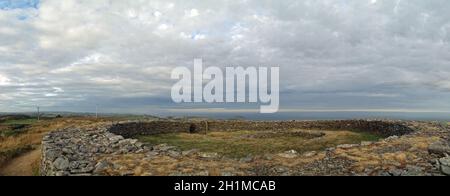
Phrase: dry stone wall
(382, 128)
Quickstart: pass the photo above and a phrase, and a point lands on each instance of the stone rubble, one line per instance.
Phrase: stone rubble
(75, 151)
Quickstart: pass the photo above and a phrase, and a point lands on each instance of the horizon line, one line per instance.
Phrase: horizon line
(226, 110)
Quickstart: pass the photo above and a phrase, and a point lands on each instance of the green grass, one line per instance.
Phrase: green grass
(20, 122)
(11, 128)
(240, 144)
(364, 136)
(12, 133)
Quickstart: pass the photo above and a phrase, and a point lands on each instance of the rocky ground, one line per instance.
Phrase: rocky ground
(92, 150)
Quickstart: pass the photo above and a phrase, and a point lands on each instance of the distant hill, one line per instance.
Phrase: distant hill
(7, 117)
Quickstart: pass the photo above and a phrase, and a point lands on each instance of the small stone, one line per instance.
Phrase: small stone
(61, 173)
(413, 171)
(51, 155)
(445, 170)
(281, 169)
(445, 161)
(366, 143)
(268, 157)
(209, 155)
(445, 165)
(61, 164)
(384, 174)
(94, 150)
(101, 166)
(74, 165)
(81, 175)
(288, 173)
(116, 138)
(82, 170)
(126, 173)
(396, 172)
(227, 174)
(394, 137)
(125, 142)
(247, 159)
(138, 144)
(174, 154)
(289, 154)
(330, 149)
(163, 147)
(310, 154)
(152, 154)
(202, 173)
(189, 152)
(139, 151)
(147, 174)
(133, 141)
(346, 146)
(67, 151)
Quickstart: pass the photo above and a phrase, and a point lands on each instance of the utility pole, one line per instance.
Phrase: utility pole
(206, 127)
(38, 114)
(96, 111)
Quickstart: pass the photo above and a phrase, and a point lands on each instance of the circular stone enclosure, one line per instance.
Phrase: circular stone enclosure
(79, 151)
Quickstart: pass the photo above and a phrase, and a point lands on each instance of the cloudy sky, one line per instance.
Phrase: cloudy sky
(376, 55)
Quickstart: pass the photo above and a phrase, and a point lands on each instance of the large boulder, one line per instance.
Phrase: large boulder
(441, 148)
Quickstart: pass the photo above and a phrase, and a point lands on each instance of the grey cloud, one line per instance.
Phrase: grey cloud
(332, 53)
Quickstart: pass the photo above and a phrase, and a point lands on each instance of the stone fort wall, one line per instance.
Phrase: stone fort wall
(382, 128)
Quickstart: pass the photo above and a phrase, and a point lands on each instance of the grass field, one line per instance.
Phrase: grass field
(20, 122)
(15, 127)
(243, 143)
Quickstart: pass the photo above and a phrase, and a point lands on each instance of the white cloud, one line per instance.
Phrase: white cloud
(58, 90)
(199, 36)
(192, 13)
(4, 80)
(157, 14)
(163, 27)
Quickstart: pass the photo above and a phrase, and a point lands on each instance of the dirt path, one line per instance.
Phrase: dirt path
(22, 165)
